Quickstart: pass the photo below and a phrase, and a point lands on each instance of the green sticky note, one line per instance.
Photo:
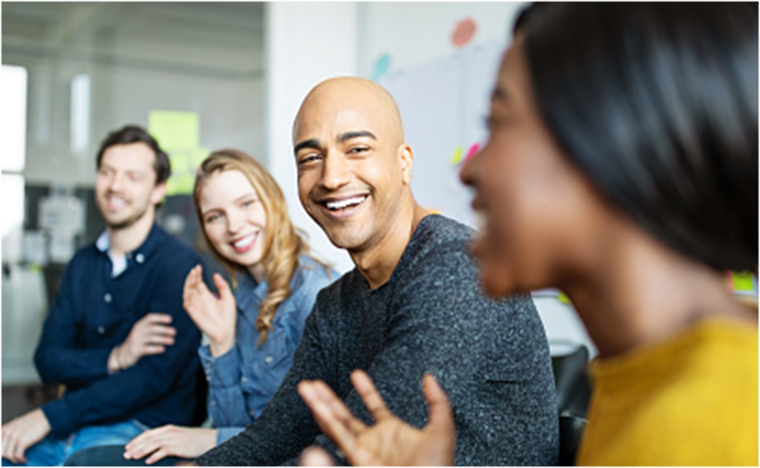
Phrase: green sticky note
(180, 161)
(180, 184)
(197, 157)
(742, 281)
(174, 130)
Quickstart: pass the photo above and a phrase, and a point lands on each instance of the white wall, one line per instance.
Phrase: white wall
(307, 43)
(413, 33)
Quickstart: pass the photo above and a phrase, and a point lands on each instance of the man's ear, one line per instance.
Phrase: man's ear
(407, 161)
(159, 191)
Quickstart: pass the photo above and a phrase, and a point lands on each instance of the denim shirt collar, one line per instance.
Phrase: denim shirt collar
(248, 290)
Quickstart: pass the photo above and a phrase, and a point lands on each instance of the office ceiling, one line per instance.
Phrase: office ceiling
(220, 38)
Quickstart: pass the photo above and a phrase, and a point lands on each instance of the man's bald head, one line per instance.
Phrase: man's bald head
(345, 94)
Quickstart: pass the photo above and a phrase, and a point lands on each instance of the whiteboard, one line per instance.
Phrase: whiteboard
(443, 105)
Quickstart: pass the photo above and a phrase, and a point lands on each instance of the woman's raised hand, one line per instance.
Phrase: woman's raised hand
(216, 317)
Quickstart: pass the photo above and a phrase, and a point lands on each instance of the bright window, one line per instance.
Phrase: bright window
(13, 118)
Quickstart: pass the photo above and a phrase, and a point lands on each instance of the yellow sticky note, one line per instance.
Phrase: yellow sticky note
(563, 298)
(457, 156)
(174, 130)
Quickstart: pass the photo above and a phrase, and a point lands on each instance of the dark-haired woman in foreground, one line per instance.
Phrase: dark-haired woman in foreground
(621, 167)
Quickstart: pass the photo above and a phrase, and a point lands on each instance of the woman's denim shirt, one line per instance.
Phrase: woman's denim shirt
(242, 381)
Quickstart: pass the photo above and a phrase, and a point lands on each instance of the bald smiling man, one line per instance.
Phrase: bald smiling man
(411, 306)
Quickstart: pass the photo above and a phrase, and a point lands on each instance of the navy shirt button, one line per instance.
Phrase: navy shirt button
(107, 297)
(101, 329)
(140, 258)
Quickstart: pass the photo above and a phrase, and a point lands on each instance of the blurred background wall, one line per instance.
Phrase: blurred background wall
(201, 76)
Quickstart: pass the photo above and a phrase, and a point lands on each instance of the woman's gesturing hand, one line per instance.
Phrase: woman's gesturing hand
(216, 317)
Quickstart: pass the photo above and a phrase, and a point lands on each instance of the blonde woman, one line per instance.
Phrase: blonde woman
(254, 330)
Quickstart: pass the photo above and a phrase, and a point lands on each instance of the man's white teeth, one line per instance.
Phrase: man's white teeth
(340, 204)
(117, 201)
(244, 242)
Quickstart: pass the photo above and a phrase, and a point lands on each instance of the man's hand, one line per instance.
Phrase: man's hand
(21, 433)
(170, 441)
(390, 441)
(215, 317)
(150, 335)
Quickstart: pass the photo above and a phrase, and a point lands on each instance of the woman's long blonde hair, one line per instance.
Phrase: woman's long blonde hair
(282, 244)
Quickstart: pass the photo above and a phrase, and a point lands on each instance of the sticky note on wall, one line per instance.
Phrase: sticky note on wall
(174, 129)
(743, 282)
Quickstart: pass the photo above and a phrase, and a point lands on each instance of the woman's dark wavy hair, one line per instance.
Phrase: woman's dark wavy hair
(657, 104)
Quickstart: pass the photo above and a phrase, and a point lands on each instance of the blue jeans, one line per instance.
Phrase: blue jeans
(53, 451)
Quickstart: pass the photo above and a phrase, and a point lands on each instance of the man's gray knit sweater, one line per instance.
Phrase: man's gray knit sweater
(491, 358)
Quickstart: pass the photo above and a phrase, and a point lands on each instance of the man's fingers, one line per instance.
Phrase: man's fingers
(159, 454)
(158, 318)
(8, 446)
(161, 336)
(18, 453)
(144, 443)
(441, 420)
(153, 349)
(140, 449)
(372, 399)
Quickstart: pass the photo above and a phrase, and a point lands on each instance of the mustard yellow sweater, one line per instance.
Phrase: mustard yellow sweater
(690, 401)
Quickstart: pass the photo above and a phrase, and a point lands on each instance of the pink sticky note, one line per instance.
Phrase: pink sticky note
(472, 151)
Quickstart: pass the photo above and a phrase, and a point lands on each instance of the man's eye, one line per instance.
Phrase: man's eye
(358, 149)
(308, 159)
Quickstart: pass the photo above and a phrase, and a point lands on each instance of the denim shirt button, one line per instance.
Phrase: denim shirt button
(268, 359)
(244, 379)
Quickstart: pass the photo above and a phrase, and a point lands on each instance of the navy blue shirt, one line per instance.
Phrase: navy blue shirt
(93, 312)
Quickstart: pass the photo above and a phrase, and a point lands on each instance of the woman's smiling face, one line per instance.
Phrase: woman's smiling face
(234, 217)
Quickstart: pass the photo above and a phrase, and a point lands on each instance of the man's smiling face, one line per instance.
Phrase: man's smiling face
(352, 162)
